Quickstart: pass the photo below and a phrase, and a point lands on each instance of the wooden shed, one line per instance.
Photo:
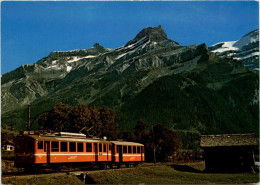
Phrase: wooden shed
(227, 152)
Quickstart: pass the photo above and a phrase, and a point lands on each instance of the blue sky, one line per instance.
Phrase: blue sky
(30, 30)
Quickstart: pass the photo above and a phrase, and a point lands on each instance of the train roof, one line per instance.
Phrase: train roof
(126, 143)
(58, 138)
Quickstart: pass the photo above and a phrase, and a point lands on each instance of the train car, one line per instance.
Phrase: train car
(32, 149)
(127, 152)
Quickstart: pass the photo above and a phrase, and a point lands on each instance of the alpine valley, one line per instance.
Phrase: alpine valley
(150, 78)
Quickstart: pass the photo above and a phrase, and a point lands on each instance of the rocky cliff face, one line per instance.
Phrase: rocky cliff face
(149, 50)
(29, 82)
(125, 78)
(246, 49)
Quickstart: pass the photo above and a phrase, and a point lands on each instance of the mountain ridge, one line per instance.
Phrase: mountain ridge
(116, 77)
(246, 49)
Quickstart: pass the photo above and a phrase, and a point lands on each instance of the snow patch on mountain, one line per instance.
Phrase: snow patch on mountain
(136, 43)
(89, 56)
(226, 46)
(75, 59)
(246, 50)
(69, 68)
(255, 54)
(53, 67)
(124, 67)
(132, 47)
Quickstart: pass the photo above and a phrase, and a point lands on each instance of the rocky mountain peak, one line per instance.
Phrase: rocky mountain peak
(251, 37)
(254, 34)
(153, 33)
(99, 48)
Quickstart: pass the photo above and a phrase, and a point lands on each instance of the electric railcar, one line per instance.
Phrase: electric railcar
(32, 149)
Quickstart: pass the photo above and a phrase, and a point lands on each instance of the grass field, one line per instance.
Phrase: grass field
(56, 179)
(176, 174)
(172, 174)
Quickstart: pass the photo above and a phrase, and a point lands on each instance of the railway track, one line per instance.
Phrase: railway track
(74, 171)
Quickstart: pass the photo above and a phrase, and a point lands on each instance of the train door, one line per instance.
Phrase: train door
(109, 153)
(96, 151)
(105, 149)
(47, 149)
(120, 153)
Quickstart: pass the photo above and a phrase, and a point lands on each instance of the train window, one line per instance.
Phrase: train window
(109, 147)
(80, 147)
(134, 149)
(100, 147)
(142, 149)
(124, 149)
(40, 144)
(138, 150)
(72, 147)
(89, 147)
(118, 149)
(63, 146)
(104, 148)
(54, 146)
(129, 149)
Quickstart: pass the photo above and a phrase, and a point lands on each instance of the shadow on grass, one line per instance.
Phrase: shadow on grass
(88, 180)
(230, 170)
(185, 168)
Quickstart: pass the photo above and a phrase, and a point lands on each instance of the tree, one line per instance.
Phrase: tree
(140, 129)
(57, 118)
(80, 117)
(108, 120)
(157, 137)
(161, 143)
(128, 136)
(93, 121)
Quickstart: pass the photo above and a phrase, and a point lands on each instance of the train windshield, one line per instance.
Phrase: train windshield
(18, 145)
(24, 145)
(30, 146)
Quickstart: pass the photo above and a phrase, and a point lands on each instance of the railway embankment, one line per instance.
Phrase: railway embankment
(51, 179)
(188, 173)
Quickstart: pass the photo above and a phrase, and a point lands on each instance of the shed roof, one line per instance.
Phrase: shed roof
(8, 142)
(228, 140)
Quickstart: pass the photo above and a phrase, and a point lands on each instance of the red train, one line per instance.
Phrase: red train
(34, 149)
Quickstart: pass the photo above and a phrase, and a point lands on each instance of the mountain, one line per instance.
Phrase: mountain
(29, 82)
(246, 49)
(151, 78)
